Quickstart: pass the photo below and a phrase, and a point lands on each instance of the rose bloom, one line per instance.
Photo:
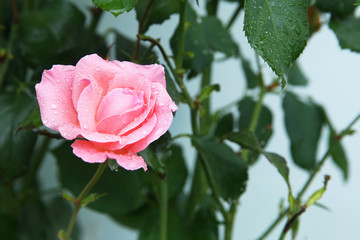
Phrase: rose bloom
(116, 108)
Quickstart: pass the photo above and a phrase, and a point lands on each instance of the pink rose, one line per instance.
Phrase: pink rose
(119, 108)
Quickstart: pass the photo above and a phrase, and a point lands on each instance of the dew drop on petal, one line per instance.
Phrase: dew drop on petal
(156, 92)
(161, 104)
(53, 106)
(145, 132)
(45, 121)
(97, 69)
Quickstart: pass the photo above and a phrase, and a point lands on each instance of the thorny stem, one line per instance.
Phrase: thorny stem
(82, 196)
(141, 29)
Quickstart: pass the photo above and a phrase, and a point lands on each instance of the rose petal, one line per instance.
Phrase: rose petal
(118, 101)
(153, 72)
(163, 111)
(87, 107)
(128, 161)
(97, 69)
(115, 124)
(139, 119)
(129, 78)
(99, 137)
(54, 97)
(137, 139)
(88, 152)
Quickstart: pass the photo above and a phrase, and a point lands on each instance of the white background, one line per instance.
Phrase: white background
(334, 82)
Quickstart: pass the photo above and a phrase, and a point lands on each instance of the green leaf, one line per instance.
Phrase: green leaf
(176, 172)
(125, 189)
(338, 8)
(34, 223)
(205, 224)
(176, 228)
(338, 154)
(347, 32)
(48, 33)
(246, 139)
(303, 121)
(251, 77)
(280, 163)
(227, 169)
(224, 125)
(203, 36)
(296, 76)
(153, 161)
(116, 7)
(277, 30)
(263, 130)
(160, 11)
(171, 87)
(16, 147)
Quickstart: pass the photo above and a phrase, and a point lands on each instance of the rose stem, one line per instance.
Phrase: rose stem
(83, 194)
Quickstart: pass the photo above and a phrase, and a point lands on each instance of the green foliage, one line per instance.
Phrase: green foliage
(263, 129)
(251, 78)
(203, 36)
(337, 8)
(34, 35)
(116, 7)
(296, 77)
(348, 32)
(338, 154)
(277, 30)
(224, 125)
(50, 27)
(226, 169)
(248, 140)
(16, 147)
(303, 121)
(159, 11)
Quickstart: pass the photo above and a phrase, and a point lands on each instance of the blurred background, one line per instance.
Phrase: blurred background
(334, 82)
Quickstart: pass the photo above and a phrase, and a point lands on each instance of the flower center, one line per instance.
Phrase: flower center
(117, 102)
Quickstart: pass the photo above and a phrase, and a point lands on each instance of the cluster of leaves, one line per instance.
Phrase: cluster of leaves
(33, 37)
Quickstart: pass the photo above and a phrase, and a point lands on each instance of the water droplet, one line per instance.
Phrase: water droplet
(85, 126)
(53, 106)
(52, 120)
(161, 104)
(45, 121)
(145, 132)
(55, 112)
(57, 80)
(156, 92)
(97, 69)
